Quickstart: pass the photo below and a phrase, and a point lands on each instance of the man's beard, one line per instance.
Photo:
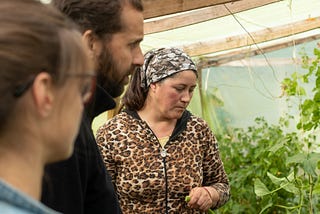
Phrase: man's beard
(106, 72)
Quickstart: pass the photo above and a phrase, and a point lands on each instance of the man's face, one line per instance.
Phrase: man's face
(121, 55)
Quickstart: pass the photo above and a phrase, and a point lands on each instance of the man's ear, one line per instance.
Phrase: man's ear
(42, 92)
(93, 43)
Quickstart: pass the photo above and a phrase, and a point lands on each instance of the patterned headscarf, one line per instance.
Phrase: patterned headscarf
(161, 63)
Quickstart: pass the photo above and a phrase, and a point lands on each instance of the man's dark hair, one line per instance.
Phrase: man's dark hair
(103, 17)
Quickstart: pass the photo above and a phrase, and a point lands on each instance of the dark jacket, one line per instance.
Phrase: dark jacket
(81, 183)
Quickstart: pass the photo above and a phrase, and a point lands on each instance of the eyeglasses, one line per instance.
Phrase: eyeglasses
(21, 89)
(87, 89)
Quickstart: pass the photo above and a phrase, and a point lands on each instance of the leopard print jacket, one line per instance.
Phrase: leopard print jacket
(152, 179)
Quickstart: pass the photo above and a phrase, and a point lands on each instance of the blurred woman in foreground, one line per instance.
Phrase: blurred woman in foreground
(45, 79)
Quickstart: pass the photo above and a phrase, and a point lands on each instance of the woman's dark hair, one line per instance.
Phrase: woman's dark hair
(159, 64)
(135, 95)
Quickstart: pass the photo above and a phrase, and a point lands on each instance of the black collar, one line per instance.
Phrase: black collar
(180, 125)
(100, 103)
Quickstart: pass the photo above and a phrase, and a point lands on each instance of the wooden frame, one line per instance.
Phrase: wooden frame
(206, 47)
(155, 8)
(201, 15)
(243, 53)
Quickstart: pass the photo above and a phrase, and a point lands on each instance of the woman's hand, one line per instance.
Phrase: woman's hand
(203, 198)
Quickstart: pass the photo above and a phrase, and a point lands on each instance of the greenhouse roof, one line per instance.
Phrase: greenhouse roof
(212, 27)
(262, 22)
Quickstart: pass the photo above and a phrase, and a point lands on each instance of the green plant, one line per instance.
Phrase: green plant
(251, 154)
(303, 180)
(310, 108)
(271, 169)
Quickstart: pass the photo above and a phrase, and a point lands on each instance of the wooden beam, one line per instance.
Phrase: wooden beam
(201, 15)
(262, 62)
(251, 51)
(155, 8)
(206, 47)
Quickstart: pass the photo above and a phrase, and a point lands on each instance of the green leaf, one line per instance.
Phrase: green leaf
(291, 188)
(310, 164)
(290, 177)
(316, 189)
(276, 147)
(277, 181)
(284, 182)
(259, 188)
(298, 158)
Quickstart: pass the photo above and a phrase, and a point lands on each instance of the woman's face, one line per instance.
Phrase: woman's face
(69, 105)
(171, 96)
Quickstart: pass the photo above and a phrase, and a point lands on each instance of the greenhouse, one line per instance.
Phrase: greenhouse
(254, 58)
(245, 56)
(258, 89)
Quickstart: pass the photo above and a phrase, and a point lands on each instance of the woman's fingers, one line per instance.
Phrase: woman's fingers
(199, 199)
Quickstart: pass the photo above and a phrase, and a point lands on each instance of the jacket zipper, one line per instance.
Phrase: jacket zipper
(164, 155)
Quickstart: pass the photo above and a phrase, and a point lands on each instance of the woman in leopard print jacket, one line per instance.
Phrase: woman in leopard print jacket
(156, 151)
